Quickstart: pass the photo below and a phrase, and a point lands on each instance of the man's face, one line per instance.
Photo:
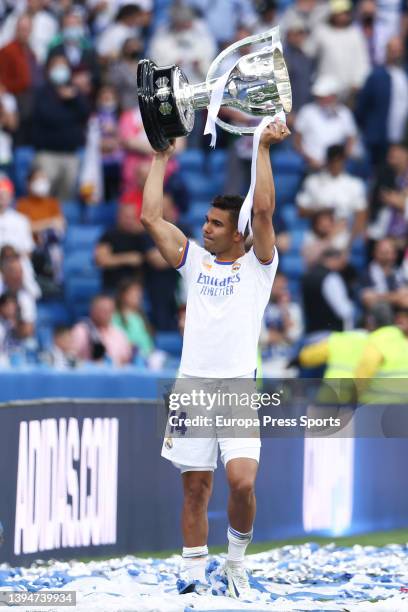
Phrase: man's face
(102, 311)
(219, 231)
(336, 165)
(384, 253)
(23, 30)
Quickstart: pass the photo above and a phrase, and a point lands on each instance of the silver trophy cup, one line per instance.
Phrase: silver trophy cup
(257, 84)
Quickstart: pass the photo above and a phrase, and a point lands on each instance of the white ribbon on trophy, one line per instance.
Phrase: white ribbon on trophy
(213, 120)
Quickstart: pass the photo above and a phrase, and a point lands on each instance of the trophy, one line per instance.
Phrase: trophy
(257, 84)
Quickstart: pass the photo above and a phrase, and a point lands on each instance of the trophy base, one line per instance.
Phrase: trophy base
(162, 116)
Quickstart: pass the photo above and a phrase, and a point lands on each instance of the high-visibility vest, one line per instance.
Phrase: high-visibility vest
(392, 343)
(345, 350)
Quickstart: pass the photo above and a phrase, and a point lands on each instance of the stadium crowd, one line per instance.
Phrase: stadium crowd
(81, 281)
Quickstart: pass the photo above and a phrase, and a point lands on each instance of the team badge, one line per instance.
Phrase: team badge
(236, 266)
(168, 443)
(207, 264)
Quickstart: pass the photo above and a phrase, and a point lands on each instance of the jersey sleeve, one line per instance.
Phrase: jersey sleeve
(190, 260)
(264, 270)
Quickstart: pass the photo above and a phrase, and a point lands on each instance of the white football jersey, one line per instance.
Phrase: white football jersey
(225, 305)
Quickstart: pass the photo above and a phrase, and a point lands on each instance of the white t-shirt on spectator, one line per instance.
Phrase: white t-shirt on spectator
(111, 41)
(344, 193)
(15, 231)
(320, 128)
(9, 105)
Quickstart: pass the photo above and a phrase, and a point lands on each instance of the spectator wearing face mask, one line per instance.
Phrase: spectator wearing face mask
(122, 74)
(74, 44)
(47, 225)
(59, 126)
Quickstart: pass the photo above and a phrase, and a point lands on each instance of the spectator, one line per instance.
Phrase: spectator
(122, 73)
(19, 72)
(325, 234)
(137, 149)
(335, 189)
(44, 28)
(127, 24)
(121, 251)
(300, 65)
(339, 48)
(382, 105)
(267, 11)
(383, 282)
(282, 319)
(48, 226)
(12, 281)
(312, 13)
(59, 121)
(97, 339)
(8, 125)
(61, 355)
(389, 212)
(366, 21)
(224, 17)
(15, 233)
(129, 317)
(101, 14)
(76, 47)
(10, 339)
(391, 21)
(108, 119)
(327, 305)
(187, 42)
(323, 123)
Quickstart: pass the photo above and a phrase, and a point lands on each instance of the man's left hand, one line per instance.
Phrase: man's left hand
(274, 133)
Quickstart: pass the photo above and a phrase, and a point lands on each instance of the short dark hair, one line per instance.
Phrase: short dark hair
(7, 297)
(59, 330)
(335, 151)
(231, 203)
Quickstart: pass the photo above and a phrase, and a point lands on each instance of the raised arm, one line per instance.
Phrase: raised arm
(264, 196)
(168, 238)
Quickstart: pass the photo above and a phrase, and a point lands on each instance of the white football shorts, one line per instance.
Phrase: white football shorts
(197, 448)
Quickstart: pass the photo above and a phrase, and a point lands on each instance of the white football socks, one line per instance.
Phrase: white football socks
(195, 561)
(237, 544)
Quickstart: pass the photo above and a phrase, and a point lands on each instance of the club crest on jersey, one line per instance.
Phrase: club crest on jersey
(236, 266)
(207, 263)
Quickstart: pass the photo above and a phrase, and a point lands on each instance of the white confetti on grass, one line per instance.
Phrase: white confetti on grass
(293, 578)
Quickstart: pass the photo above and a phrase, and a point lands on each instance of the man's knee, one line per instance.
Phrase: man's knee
(242, 486)
(197, 488)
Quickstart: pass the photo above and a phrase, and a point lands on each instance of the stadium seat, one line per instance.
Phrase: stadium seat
(297, 237)
(52, 314)
(105, 214)
(72, 212)
(170, 342)
(200, 187)
(217, 162)
(196, 214)
(82, 237)
(82, 288)
(22, 161)
(292, 265)
(286, 187)
(79, 263)
(191, 160)
(288, 161)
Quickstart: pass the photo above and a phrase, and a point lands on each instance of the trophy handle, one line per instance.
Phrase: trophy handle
(272, 34)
